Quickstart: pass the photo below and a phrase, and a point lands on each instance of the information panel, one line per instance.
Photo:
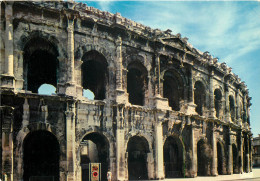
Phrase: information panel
(95, 171)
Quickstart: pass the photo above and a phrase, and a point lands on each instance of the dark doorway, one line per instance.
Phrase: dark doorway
(41, 157)
(137, 149)
(235, 159)
(204, 156)
(232, 107)
(220, 153)
(40, 64)
(97, 151)
(173, 158)
(94, 74)
(136, 83)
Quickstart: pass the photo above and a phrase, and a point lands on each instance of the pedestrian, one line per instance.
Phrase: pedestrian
(109, 175)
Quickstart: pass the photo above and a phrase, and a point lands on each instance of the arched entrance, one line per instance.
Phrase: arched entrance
(95, 74)
(137, 149)
(204, 156)
(41, 64)
(41, 155)
(235, 159)
(173, 157)
(94, 149)
(217, 102)
(220, 155)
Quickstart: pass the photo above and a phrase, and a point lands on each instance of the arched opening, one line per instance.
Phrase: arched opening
(41, 155)
(94, 149)
(217, 102)
(173, 158)
(199, 97)
(95, 74)
(40, 64)
(136, 83)
(204, 156)
(235, 159)
(232, 107)
(47, 89)
(173, 89)
(220, 155)
(137, 149)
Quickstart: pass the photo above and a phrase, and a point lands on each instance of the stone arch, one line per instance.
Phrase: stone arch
(137, 149)
(94, 148)
(81, 50)
(41, 155)
(174, 157)
(220, 157)
(204, 158)
(173, 87)
(41, 64)
(26, 37)
(94, 71)
(137, 82)
(200, 97)
(218, 102)
(232, 107)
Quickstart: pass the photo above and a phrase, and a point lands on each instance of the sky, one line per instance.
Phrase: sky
(229, 30)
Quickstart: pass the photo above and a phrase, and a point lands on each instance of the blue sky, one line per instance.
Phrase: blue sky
(229, 30)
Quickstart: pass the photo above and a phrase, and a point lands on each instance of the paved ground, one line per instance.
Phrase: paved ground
(254, 176)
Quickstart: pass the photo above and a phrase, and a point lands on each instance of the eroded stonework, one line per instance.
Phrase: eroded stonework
(162, 108)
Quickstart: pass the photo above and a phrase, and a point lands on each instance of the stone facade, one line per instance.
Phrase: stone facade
(162, 108)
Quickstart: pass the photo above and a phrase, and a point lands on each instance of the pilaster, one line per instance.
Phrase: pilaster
(214, 153)
(70, 135)
(7, 79)
(120, 155)
(230, 155)
(194, 165)
(69, 86)
(7, 142)
(241, 151)
(121, 95)
(159, 151)
(212, 112)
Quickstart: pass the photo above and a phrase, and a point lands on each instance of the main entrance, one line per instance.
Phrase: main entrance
(41, 157)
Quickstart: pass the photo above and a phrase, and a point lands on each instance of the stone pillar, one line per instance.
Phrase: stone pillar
(9, 64)
(159, 167)
(241, 152)
(157, 74)
(247, 154)
(214, 153)
(194, 154)
(190, 108)
(7, 79)
(120, 155)
(7, 142)
(121, 95)
(227, 111)
(69, 87)
(70, 134)
(212, 113)
(230, 155)
(159, 101)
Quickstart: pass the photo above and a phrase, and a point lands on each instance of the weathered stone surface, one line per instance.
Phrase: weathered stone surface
(162, 108)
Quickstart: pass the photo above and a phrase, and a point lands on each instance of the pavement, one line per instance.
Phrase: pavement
(254, 176)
